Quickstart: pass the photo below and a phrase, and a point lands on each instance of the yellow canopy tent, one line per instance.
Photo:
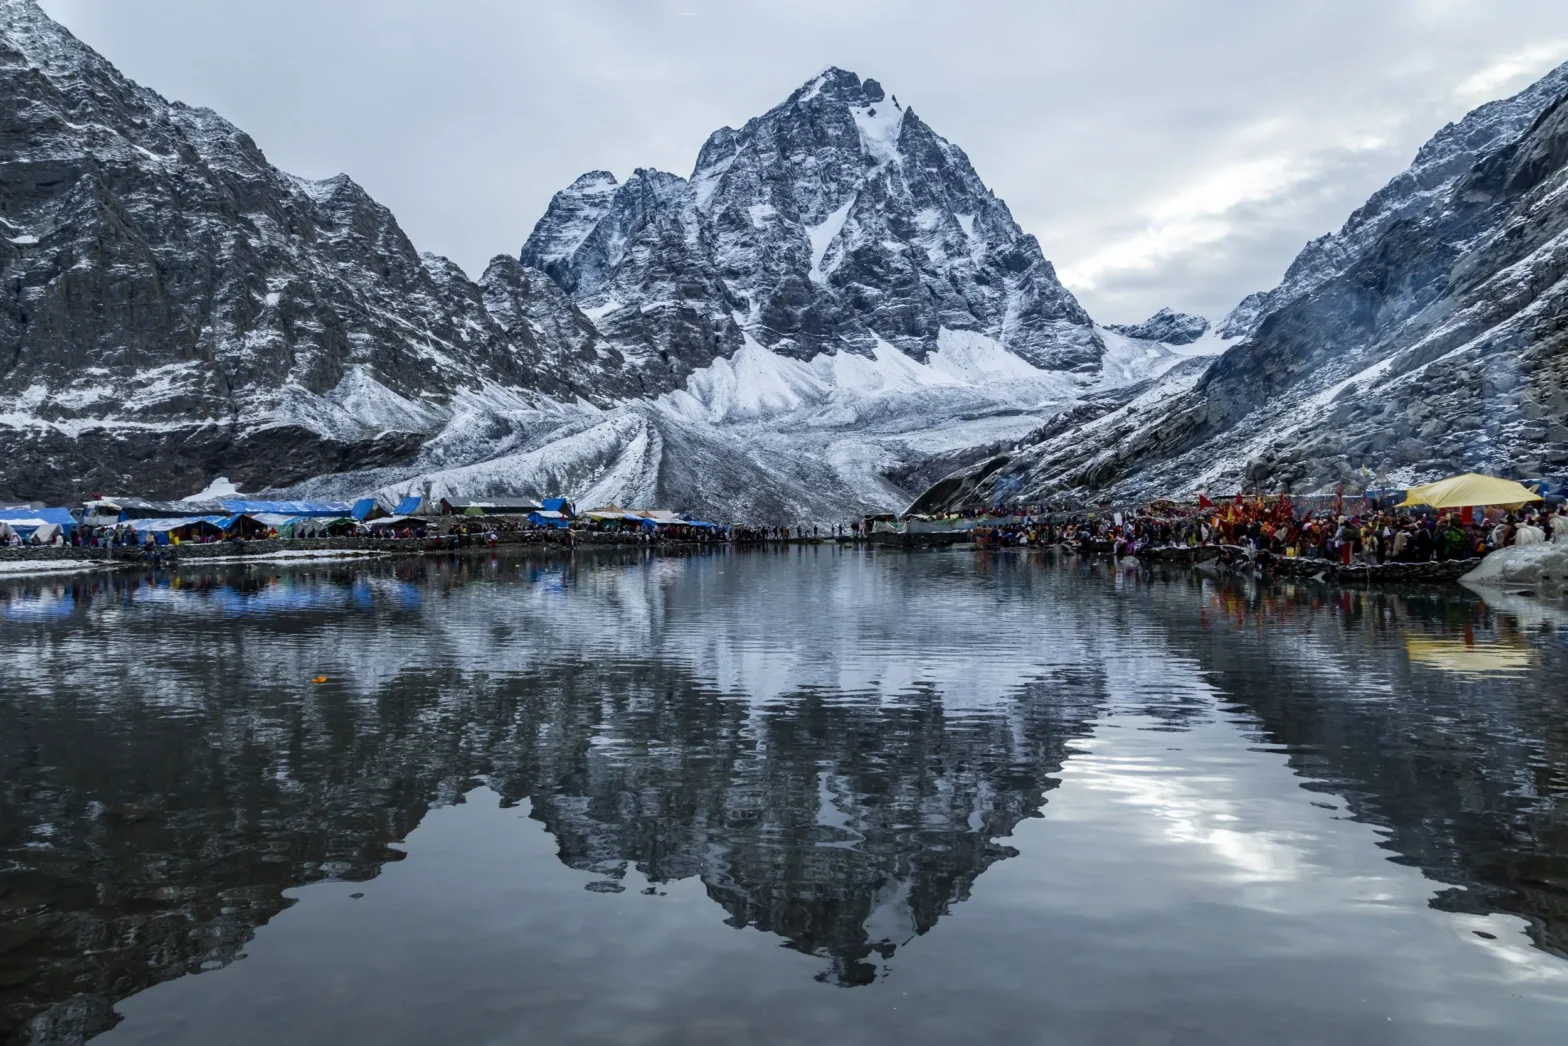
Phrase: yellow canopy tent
(1469, 489)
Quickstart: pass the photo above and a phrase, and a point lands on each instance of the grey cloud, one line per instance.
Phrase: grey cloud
(1095, 122)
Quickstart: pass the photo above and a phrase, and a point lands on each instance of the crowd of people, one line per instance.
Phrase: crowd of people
(1373, 536)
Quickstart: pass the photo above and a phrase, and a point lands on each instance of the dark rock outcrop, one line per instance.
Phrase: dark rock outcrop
(1167, 325)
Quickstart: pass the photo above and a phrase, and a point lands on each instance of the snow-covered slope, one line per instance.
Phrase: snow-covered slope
(765, 437)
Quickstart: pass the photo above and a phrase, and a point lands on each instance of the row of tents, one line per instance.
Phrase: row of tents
(168, 521)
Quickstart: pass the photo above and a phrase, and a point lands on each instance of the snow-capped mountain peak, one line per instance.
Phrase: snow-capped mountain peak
(834, 220)
(832, 311)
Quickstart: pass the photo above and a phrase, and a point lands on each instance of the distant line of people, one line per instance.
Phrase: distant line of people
(1386, 536)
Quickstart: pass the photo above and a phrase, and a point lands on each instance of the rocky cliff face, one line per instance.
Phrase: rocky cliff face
(1432, 342)
(1420, 189)
(174, 305)
(834, 221)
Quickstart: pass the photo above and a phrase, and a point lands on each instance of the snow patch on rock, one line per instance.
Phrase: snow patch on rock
(822, 235)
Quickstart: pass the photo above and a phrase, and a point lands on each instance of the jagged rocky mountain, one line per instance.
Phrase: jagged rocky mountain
(835, 221)
(1438, 165)
(832, 301)
(1427, 337)
(831, 310)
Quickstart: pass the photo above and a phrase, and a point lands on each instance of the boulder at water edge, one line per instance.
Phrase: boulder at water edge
(1523, 566)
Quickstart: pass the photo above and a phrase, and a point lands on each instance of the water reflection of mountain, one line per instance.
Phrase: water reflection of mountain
(166, 778)
(1467, 772)
(846, 828)
(837, 754)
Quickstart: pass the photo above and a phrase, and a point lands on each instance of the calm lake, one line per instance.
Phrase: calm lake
(813, 796)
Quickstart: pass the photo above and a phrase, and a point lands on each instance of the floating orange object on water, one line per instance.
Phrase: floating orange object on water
(319, 679)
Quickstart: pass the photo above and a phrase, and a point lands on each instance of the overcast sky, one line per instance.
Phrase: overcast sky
(1164, 152)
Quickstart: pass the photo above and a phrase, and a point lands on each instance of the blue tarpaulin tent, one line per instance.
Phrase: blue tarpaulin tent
(560, 505)
(363, 507)
(62, 516)
(161, 528)
(409, 505)
(548, 518)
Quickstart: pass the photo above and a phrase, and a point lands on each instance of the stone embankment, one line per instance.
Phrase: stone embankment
(1235, 557)
(49, 553)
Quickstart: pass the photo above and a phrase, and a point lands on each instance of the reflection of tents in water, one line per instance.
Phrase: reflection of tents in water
(1455, 655)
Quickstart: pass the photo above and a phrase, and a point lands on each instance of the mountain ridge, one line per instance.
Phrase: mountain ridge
(828, 308)
(823, 222)
(1435, 346)
(659, 339)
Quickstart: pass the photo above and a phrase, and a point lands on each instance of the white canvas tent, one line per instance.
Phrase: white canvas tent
(45, 534)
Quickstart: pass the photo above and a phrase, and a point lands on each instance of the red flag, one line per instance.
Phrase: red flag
(1204, 502)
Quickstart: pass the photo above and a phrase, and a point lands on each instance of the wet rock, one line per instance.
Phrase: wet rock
(15, 976)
